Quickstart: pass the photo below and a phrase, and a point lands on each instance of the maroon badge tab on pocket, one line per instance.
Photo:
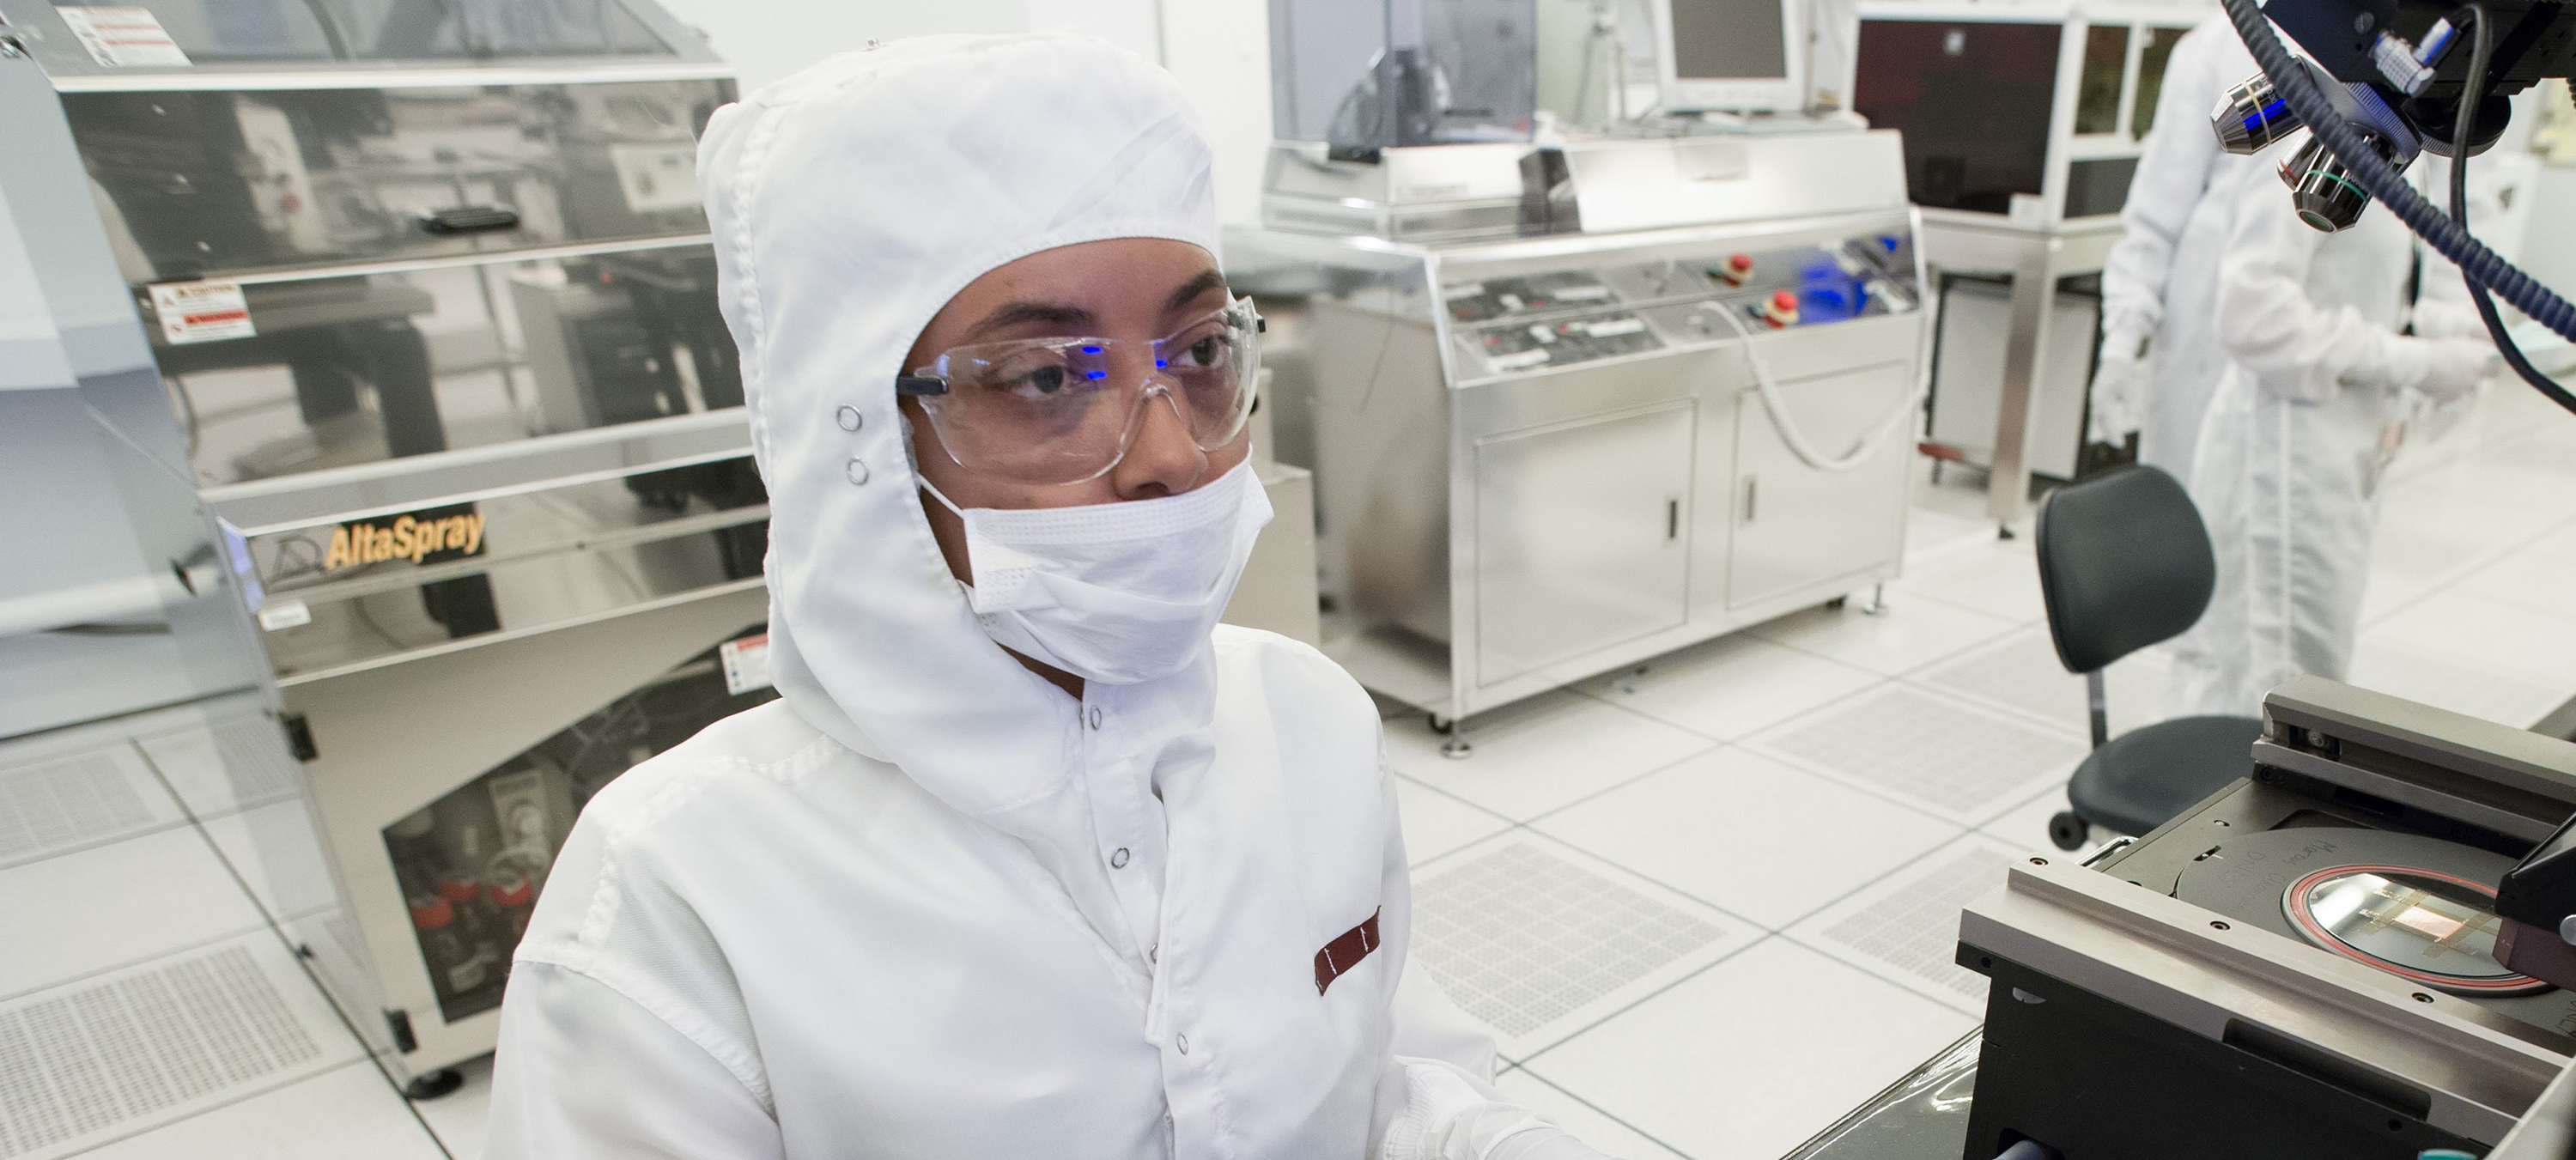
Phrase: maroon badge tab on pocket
(1345, 952)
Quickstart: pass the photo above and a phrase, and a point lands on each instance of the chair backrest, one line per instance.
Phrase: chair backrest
(2124, 562)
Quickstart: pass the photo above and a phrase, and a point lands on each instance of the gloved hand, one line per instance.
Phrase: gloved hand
(1542, 1142)
(2119, 387)
(1503, 1132)
(2454, 366)
(2429, 420)
(2443, 318)
(1447, 1118)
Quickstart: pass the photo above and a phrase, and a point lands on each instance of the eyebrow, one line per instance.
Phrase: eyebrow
(1011, 314)
(1190, 290)
(1063, 314)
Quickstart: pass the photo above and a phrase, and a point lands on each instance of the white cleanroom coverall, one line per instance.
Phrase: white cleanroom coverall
(2305, 421)
(928, 904)
(2160, 281)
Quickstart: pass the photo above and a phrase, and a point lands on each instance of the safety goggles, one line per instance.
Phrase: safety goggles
(1063, 410)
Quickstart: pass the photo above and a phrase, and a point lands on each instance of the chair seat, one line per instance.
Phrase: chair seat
(2146, 776)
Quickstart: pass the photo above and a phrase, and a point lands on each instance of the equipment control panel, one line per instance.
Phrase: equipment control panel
(1493, 298)
(1592, 336)
(1530, 323)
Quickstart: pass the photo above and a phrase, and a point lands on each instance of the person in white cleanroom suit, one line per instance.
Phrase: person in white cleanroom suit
(2306, 418)
(1132, 888)
(2160, 356)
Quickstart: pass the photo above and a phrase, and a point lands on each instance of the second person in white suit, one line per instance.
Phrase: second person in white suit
(2160, 358)
(2306, 418)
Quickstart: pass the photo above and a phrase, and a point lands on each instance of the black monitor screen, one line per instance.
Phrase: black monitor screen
(1972, 99)
(1728, 40)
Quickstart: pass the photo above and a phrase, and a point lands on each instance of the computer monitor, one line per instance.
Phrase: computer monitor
(1738, 56)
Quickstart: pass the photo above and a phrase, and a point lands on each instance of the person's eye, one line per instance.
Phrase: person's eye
(1211, 351)
(1041, 381)
(1031, 375)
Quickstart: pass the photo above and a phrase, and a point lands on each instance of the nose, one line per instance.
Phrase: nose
(1162, 459)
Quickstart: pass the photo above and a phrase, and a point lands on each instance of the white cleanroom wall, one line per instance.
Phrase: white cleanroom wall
(1218, 48)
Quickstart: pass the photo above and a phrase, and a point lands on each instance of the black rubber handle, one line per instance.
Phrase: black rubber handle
(470, 219)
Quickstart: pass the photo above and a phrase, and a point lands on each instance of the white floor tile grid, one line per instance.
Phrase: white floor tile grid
(1540, 754)
(1629, 854)
(2021, 674)
(1905, 927)
(71, 802)
(1729, 687)
(171, 1020)
(1538, 941)
(126, 1051)
(1906, 635)
(1955, 761)
(230, 764)
(1744, 1060)
(2025, 826)
(348, 1112)
(1739, 831)
(1604, 1132)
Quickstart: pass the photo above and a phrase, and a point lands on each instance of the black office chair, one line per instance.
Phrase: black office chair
(2124, 562)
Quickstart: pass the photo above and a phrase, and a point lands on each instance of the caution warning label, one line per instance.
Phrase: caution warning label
(201, 311)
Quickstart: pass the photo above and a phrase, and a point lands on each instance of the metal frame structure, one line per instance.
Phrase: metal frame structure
(2038, 244)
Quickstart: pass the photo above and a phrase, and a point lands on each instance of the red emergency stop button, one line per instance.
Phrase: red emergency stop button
(1737, 268)
(1781, 310)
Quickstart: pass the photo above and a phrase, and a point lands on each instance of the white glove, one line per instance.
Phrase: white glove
(2453, 367)
(1542, 1142)
(2430, 420)
(2442, 318)
(1446, 1118)
(2119, 388)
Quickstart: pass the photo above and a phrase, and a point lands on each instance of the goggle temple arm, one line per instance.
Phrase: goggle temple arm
(920, 385)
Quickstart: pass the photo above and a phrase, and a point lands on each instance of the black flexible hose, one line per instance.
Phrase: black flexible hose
(2381, 180)
(2481, 54)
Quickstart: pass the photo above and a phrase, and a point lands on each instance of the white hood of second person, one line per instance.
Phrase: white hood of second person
(849, 203)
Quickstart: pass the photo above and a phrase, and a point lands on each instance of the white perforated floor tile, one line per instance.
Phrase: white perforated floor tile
(2022, 674)
(1906, 928)
(115, 1054)
(79, 800)
(1537, 941)
(2487, 691)
(255, 759)
(1960, 763)
(234, 763)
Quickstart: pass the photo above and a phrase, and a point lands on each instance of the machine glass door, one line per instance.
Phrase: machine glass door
(333, 372)
(328, 31)
(206, 184)
(445, 785)
(340, 592)
(1581, 537)
(470, 864)
(1797, 526)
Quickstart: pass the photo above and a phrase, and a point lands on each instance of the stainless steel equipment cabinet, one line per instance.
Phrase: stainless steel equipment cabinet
(2023, 125)
(432, 294)
(1539, 457)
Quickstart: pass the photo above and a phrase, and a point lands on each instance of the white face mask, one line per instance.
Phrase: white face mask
(1116, 592)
